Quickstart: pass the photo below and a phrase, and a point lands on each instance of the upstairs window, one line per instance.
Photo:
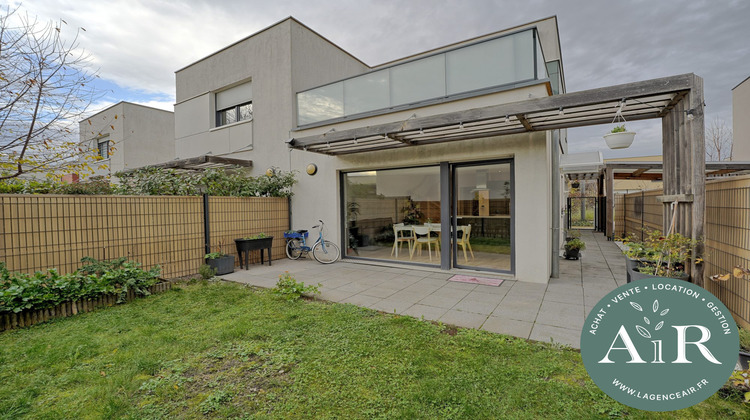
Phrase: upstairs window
(234, 104)
(103, 146)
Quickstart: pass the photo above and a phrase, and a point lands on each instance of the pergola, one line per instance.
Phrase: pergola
(200, 163)
(676, 100)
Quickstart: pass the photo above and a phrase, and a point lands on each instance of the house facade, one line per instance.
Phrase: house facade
(127, 136)
(740, 122)
(453, 201)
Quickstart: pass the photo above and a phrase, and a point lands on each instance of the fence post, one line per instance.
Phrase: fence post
(643, 208)
(206, 233)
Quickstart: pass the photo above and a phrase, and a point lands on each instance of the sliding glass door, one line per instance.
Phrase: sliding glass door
(395, 215)
(483, 219)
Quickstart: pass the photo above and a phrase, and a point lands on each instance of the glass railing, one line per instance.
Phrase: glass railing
(473, 69)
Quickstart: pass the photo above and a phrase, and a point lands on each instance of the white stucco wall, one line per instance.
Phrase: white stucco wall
(139, 136)
(288, 58)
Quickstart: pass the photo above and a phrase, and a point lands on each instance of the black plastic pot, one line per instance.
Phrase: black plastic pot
(634, 273)
(244, 246)
(222, 265)
(572, 254)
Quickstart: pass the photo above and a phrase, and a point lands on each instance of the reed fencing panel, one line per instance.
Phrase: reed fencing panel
(727, 235)
(728, 242)
(40, 232)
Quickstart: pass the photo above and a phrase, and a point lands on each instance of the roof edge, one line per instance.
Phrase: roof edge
(288, 18)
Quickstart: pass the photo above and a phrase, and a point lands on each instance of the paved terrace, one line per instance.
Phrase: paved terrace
(543, 312)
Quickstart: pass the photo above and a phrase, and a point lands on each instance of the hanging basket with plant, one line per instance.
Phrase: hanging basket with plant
(619, 137)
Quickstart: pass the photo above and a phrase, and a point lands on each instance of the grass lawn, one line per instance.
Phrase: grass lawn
(227, 351)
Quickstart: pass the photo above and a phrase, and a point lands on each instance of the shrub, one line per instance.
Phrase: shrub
(19, 291)
(619, 129)
(218, 182)
(207, 272)
(291, 289)
(575, 243)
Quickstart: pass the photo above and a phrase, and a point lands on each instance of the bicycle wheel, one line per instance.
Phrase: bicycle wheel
(326, 253)
(293, 249)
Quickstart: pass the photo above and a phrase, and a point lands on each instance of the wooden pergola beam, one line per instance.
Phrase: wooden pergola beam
(645, 177)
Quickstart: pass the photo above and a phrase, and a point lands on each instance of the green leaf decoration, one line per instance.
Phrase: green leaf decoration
(646, 321)
(658, 326)
(656, 305)
(636, 306)
(664, 312)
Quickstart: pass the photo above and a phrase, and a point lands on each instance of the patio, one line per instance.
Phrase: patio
(555, 311)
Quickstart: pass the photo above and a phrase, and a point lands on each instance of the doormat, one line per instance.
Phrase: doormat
(476, 280)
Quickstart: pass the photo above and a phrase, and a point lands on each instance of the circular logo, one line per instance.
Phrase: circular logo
(659, 344)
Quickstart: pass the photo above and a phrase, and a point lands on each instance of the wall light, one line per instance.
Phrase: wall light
(311, 169)
(690, 114)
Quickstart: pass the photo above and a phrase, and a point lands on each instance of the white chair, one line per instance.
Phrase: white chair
(464, 240)
(421, 237)
(402, 234)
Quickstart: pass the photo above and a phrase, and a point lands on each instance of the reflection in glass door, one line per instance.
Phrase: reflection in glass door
(482, 205)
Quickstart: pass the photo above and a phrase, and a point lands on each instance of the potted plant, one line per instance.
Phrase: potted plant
(659, 256)
(220, 261)
(244, 245)
(619, 137)
(412, 213)
(573, 247)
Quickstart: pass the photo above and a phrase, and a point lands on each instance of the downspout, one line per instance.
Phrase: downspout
(555, 181)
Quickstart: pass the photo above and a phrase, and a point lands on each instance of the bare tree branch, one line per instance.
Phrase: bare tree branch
(719, 144)
(46, 86)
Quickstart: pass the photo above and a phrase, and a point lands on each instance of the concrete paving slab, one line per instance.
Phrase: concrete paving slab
(538, 311)
(508, 326)
(463, 319)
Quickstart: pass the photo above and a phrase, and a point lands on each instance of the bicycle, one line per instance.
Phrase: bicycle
(323, 250)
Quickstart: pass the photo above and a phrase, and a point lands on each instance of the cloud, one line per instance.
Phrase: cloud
(139, 44)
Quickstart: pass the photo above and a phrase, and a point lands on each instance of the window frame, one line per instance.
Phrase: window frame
(237, 114)
(99, 144)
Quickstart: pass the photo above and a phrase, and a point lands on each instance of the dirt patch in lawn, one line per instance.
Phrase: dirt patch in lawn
(220, 383)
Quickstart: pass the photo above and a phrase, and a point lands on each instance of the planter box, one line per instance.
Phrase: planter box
(743, 361)
(244, 246)
(222, 265)
(634, 274)
(572, 254)
(29, 317)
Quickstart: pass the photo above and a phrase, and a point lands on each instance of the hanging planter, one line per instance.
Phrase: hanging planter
(619, 137)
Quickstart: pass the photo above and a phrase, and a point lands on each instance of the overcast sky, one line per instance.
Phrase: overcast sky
(137, 45)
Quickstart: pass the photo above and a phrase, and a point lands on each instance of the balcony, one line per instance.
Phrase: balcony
(487, 66)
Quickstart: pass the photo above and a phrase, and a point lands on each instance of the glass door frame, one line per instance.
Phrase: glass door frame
(454, 214)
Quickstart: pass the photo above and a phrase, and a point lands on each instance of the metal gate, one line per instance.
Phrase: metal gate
(587, 213)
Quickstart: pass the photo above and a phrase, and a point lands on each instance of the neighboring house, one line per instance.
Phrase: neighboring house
(253, 98)
(127, 135)
(741, 122)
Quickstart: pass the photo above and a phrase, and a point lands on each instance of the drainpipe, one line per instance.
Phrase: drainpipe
(555, 251)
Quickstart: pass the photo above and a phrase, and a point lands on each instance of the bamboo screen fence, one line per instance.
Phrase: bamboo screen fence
(642, 213)
(40, 232)
(728, 242)
(727, 235)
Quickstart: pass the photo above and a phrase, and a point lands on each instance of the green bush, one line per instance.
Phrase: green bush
(19, 291)
(291, 289)
(218, 182)
(206, 271)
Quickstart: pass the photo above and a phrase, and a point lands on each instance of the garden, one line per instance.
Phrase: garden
(221, 350)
